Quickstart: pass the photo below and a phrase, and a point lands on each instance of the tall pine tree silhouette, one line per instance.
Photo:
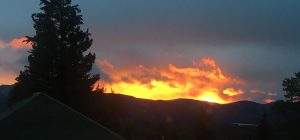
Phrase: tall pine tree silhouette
(59, 63)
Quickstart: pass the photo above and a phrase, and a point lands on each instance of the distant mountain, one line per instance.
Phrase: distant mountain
(180, 118)
(240, 112)
(186, 118)
(237, 112)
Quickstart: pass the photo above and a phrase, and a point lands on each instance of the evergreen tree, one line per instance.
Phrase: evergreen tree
(58, 62)
(292, 88)
(264, 129)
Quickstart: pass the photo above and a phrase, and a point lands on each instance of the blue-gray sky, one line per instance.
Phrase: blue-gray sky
(253, 40)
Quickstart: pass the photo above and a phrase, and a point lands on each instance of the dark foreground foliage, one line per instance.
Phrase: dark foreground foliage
(58, 62)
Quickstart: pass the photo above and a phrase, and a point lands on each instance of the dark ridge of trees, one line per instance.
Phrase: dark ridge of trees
(59, 63)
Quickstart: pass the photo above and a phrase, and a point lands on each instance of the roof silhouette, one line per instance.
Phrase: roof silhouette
(45, 118)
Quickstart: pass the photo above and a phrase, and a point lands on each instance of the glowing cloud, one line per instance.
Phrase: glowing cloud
(19, 43)
(268, 100)
(16, 43)
(233, 92)
(204, 80)
(8, 79)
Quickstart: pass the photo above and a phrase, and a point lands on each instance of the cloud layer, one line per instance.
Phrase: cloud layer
(203, 80)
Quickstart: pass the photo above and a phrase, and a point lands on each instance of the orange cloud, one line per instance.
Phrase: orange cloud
(233, 92)
(7, 78)
(19, 43)
(204, 80)
(268, 100)
(16, 43)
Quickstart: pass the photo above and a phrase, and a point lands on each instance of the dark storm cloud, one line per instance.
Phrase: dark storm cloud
(207, 22)
(178, 22)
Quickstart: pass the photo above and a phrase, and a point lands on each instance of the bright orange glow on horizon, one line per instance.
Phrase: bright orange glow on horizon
(268, 100)
(212, 96)
(204, 80)
(8, 79)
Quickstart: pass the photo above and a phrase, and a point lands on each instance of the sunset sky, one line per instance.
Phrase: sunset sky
(216, 50)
